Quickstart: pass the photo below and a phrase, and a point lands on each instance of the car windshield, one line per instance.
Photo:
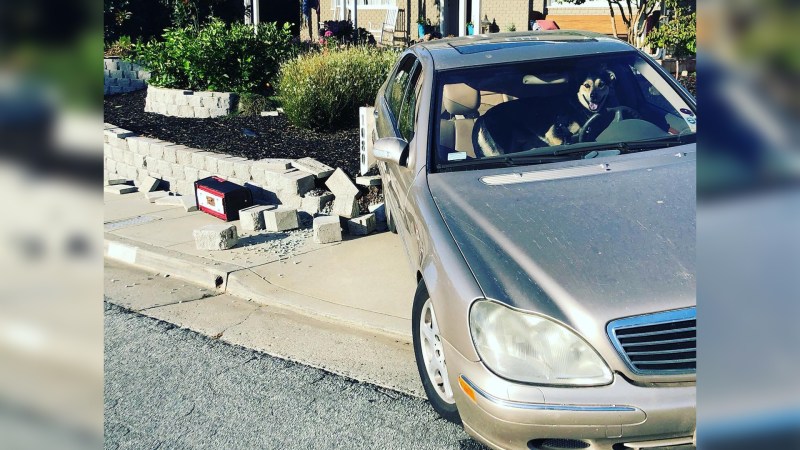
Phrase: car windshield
(549, 111)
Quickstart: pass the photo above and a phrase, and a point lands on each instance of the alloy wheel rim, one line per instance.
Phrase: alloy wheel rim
(433, 353)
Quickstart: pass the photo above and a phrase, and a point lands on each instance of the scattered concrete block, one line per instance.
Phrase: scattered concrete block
(327, 229)
(315, 204)
(269, 113)
(345, 207)
(275, 164)
(374, 180)
(252, 218)
(279, 109)
(187, 202)
(295, 182)
(216, 237)
(362, 225)
(280, 219)
(312, 166)
(380, 212)
(341, 186)
(155, 195)
(116, 181)
(149, 184)
(119, 189)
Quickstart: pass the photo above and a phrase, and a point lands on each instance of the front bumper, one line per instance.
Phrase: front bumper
(507, 415)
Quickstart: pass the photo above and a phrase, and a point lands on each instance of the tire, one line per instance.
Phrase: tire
(427, 343)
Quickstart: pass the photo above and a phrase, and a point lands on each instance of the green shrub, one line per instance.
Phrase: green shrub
(679, 33)
(121, 47)
(323, 90)
(217, 57)
(253, 104)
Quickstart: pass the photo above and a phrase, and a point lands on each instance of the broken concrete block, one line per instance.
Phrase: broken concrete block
(312, 166)
(269, 113)
(252, 218)
(280, 219)
(148, 183)
(216, 237)
(327, 229)
(341, 186)
(380, 212)
(119, 189)
(155, 195)
(187, 202)
(362, 225)
(275, 164)
(345, 207)
(374, 180)
(295, 182)
(116, 181)
(315, 204)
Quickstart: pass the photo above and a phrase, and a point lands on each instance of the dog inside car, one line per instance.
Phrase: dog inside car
(592, 89)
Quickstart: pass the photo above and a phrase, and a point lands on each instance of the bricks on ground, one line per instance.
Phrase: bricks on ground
(327, 229)
(216, 237)
(345, 193)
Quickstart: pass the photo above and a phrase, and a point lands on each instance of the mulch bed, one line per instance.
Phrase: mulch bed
(274, 136)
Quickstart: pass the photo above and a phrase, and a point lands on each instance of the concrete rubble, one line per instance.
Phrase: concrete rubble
(216, 237)
(149, 184)
(188, 203)
(155, 195)
(314, 167)
(280, 219)
(252, 218)
(362, 225)
(120, 189)
(327, 229)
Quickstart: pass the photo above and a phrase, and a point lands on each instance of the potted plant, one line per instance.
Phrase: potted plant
(470, 29)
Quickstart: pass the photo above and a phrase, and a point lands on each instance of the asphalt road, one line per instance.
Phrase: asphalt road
(171, 388)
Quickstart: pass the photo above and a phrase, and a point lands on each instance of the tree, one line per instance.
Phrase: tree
(633, 13)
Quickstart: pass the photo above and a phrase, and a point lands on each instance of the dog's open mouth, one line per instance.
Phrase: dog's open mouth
(591, 105)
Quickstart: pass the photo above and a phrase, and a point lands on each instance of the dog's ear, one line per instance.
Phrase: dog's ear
(611, 77)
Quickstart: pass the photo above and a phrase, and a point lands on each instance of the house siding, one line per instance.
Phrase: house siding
(503, 12)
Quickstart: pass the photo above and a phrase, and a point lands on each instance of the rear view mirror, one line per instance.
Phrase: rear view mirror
(391, 149)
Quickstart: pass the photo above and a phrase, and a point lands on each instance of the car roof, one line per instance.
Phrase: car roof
(498, 48)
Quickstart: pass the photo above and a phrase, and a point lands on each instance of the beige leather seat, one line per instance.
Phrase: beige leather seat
(460, 103)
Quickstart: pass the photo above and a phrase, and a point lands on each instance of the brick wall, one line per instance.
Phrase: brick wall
(183, 103)
(120, 77)
(507, 12)
(126, 155)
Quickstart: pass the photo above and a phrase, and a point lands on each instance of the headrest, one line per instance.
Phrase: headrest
(460, 99)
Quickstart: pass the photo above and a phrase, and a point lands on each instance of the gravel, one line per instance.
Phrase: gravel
(249, 137)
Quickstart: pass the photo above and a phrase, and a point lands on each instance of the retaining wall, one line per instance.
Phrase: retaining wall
(272, 181)
(120, 76)
(183, 103)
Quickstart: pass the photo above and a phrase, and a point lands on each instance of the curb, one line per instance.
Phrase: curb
(246, 284)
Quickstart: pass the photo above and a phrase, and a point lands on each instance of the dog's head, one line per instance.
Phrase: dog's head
(593, 88)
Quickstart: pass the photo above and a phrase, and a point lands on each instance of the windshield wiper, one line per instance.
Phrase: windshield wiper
(623, 147)
(501, 161)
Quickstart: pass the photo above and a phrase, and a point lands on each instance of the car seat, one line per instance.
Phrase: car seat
(460, 104)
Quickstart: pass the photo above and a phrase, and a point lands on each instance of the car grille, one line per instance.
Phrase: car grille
(657, 344)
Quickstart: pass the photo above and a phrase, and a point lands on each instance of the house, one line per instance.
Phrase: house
(453, 15)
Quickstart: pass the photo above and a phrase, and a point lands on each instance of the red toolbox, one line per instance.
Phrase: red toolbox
(221, 198)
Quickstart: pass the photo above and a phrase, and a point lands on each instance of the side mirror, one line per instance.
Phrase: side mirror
(391, 149)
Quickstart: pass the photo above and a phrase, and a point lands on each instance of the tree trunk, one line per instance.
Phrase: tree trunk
(613, 19)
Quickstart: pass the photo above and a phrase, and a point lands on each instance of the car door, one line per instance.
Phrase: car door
(395, 118)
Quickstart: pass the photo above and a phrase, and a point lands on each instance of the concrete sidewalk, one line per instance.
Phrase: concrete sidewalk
(362, 281)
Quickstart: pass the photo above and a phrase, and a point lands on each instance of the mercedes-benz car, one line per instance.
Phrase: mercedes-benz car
(543, 186)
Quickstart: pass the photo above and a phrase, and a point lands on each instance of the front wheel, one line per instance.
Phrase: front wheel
(429, 353)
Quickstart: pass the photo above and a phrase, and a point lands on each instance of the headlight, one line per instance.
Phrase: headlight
(532, 349)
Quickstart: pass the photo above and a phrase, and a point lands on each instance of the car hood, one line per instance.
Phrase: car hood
(585, 242)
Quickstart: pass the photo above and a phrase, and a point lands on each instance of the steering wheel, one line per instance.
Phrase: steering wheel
(620, 113)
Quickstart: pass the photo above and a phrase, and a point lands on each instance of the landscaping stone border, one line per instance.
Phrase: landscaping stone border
(126, 155)
(190, 104)
(120, 77)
